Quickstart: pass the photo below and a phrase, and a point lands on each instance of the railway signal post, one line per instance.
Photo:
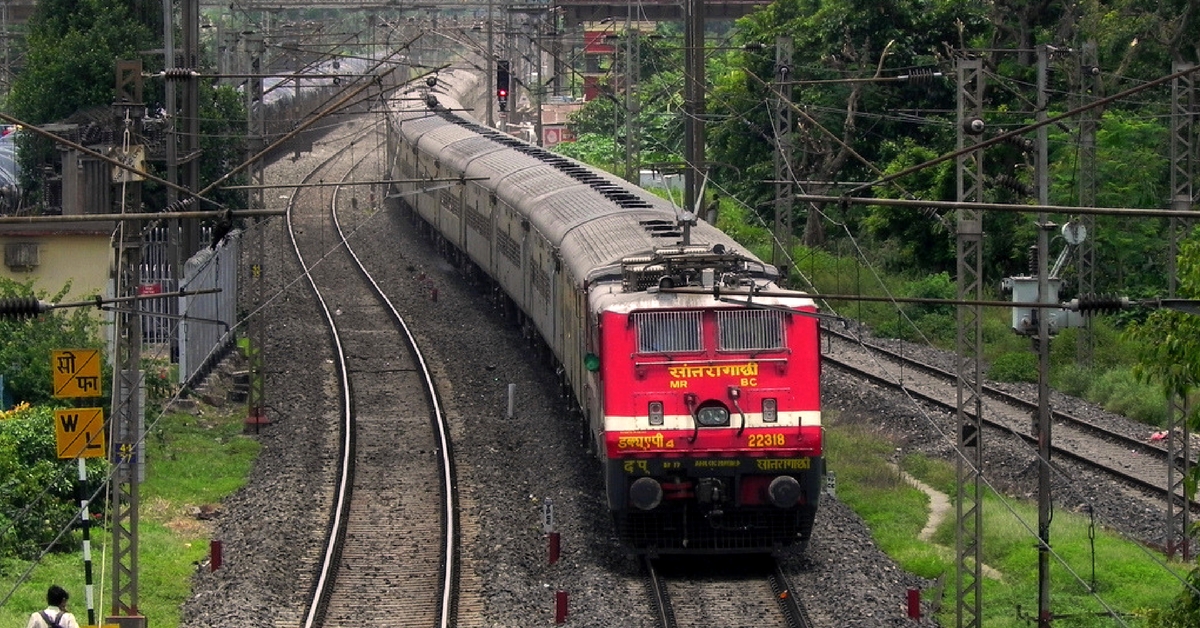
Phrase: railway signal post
(503, 81)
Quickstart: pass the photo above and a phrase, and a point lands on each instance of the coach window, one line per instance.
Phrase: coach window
(750, 330)
(668, 332)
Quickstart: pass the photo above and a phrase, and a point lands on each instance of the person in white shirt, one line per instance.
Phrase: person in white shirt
(55, 615)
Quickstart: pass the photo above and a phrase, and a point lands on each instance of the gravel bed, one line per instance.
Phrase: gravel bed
(1010, 464)
(508, 467)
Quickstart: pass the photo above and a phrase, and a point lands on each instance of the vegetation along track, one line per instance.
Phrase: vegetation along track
(1133, 460)
(393, 521)
(744, 591)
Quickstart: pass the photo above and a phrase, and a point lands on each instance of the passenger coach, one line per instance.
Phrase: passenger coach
(698, 376)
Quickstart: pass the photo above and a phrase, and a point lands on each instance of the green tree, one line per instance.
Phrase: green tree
(73, 46)
(37, 490)
(840, 47)
(1168, 345)
(26, 345)
(656, 101)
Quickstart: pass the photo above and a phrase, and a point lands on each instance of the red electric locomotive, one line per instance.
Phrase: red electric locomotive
(710, 431)
(697, 375)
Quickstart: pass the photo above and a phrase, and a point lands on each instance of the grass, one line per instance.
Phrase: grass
(200, 460)
(1127, 578)
(191, 461)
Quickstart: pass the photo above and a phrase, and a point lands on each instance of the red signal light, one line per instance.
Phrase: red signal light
(502, 93)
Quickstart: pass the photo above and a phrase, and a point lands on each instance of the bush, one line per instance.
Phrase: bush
(1074, 380)
(37, 492)
(1014, 367)
(938, 286)
(25, 352)
(1120, 392)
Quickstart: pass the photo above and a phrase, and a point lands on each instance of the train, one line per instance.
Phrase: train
(697, 376)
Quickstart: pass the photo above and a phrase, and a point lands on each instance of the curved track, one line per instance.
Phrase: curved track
(1134, 461)
(390, 555)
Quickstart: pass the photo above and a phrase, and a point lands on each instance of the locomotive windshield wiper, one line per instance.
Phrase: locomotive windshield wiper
(689, 400)
(734, 394)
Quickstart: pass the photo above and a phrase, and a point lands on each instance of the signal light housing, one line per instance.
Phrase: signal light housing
(503, 80)
(770, 410)
(656, 412)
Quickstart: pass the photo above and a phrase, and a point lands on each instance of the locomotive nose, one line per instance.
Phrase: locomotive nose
(784, 491)
(645, 493)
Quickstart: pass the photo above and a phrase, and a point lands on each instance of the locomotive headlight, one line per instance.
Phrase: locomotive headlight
(712, 416)
(656, 413)
(770, 411)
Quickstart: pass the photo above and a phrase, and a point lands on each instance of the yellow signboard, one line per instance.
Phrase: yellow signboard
(76, 372)
(79, 432)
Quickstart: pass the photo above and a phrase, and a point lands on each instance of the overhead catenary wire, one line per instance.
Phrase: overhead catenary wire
(947, 437)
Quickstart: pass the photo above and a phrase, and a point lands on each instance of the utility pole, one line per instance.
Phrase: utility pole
(256, 415)
(175, 228)
(785, 186)
(1183, 198)
(1042, 343)
(1090, 90)
(491, 68)
(127, 414)
(969, 342)
(693, 107)
(628, 89)
(190, 140)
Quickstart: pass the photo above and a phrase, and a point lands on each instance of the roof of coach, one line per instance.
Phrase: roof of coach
(464, 151)
(596, 219)
(609, 297)
(596, 249)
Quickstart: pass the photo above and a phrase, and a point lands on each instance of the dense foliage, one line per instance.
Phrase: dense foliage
(25, 345)
(73, 49)
(38, 502)
(857, 122)
(37, 498)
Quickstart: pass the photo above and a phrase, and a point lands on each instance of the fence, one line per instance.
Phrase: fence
(206, 331)
(198, 328)
(160, 316)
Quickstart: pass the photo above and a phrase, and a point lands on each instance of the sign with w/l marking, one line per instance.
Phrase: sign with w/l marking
(79, 432)
(76, 372)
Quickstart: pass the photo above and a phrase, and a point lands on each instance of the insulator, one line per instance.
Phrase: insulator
(21, 307)
(431, 102)
(974, 126)
(1101, 304)
(1033, 261)
(180, 205)
(1022, 144)
(1012, 183)
(431, 81)
(179, 74)
(922, 76)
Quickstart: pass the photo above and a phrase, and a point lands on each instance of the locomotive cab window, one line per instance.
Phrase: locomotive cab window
(668, 332)
(750, 330)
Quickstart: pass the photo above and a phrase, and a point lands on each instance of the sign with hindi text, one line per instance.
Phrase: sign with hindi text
(76, 372)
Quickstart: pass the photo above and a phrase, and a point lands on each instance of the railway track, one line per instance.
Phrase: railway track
(740, 592)
(1136, 462)
(392, 528)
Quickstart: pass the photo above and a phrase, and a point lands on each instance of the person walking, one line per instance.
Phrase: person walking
(55, 615)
